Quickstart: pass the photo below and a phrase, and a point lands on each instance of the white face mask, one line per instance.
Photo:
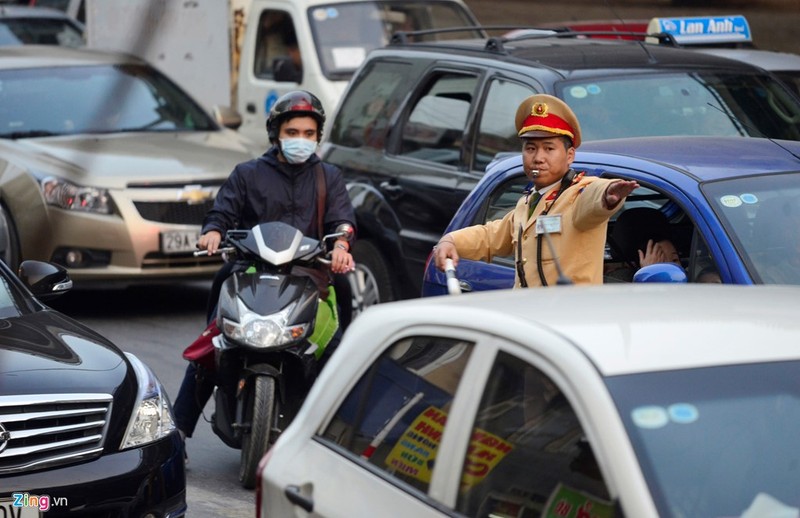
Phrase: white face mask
(297, 150)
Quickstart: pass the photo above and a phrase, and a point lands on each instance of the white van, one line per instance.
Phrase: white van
(317, 45)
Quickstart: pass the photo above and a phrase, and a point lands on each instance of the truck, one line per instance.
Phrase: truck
(244, 54)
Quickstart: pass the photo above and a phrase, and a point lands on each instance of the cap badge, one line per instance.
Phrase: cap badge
(539, 109)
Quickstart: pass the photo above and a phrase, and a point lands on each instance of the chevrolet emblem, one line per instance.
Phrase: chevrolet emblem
(195, 194)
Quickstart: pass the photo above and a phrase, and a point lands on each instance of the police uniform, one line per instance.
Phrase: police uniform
(573, 211)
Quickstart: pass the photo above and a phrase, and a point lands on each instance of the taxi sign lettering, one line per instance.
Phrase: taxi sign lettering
(703, 29)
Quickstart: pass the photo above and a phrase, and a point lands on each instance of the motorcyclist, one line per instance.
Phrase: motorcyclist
(281, 186)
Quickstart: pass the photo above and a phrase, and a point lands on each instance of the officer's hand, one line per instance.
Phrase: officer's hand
(444, 250)
(342, 261)
(617, 190)
(210, 241)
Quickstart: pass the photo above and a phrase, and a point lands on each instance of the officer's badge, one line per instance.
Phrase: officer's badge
(539, 109)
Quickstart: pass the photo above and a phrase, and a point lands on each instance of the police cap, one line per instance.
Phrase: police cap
(543, 115)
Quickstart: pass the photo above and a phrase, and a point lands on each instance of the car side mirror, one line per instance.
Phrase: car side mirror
(661, 272)
(284, 70)
(45, 280)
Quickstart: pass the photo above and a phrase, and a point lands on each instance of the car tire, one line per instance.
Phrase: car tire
(257, 440)
(9, 243)
(370, 282)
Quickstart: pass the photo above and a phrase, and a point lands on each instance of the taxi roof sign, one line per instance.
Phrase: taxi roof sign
(703, 30)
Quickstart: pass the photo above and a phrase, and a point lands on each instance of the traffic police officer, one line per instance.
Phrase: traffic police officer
(566, 208)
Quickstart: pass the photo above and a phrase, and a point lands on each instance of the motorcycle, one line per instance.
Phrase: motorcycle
(269, 314)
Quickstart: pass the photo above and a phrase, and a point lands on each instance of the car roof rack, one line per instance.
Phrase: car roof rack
(496, 44)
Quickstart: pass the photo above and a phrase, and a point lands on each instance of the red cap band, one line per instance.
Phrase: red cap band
(549, 122)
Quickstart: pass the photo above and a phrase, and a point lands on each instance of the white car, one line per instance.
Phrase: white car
(636, 400)
(785, 65)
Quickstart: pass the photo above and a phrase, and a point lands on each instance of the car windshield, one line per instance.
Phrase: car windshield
(716, 441)
(94, 99)
(791, 78)
(40, 31)
(345, 33)
(761, 214)
(683, 104)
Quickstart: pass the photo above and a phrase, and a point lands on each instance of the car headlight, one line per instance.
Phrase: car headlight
(152, 417)
(66, 195)
(264, 331)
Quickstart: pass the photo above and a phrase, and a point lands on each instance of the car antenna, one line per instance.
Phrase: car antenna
(735, 120)
(641, 42)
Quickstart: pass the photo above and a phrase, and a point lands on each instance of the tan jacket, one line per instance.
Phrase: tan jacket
(579, 245)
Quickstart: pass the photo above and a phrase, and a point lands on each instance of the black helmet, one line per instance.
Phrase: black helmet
(296, 103)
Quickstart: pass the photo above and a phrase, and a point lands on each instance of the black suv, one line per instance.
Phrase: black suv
(420, 122)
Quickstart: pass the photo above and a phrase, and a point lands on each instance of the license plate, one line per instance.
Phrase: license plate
(8, 510)
(179, 242)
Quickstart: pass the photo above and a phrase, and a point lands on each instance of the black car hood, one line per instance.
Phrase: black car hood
(45, 352)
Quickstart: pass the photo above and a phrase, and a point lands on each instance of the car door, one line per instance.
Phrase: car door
(373, 447)
(545, 438)
(427, 161)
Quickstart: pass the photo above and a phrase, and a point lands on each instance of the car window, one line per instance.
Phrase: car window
(368, 110)
(528, 454)
(395, 416)
(762, 216)
(647, 209)
(40, 31)
(791, 78)
(682, 422)
(345, 33)
(276, 38)
(94, 99)
(683, 104)
(434, 130)
(502, 200)
(496, 133)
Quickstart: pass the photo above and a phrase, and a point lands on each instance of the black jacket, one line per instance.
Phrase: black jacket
(264, 189)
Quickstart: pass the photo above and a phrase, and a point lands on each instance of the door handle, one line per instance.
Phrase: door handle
(295, 496)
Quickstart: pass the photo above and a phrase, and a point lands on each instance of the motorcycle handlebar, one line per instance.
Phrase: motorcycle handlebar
(230, 249)
(335, 234)
(227, 249)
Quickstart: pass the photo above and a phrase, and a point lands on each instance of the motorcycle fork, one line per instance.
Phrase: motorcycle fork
(244, 396)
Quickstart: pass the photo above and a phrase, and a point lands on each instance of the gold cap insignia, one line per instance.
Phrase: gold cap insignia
(539, 109)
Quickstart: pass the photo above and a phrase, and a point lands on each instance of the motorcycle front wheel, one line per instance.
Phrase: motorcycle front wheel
(260, 410)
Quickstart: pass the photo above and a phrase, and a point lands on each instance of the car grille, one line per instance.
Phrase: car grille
(43, 431)
(178, 212)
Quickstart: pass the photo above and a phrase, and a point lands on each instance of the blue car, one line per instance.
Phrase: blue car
(732, 207)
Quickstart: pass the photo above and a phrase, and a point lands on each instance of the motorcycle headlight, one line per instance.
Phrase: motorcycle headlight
(66, 195)
(152, 417)
(264, 331)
